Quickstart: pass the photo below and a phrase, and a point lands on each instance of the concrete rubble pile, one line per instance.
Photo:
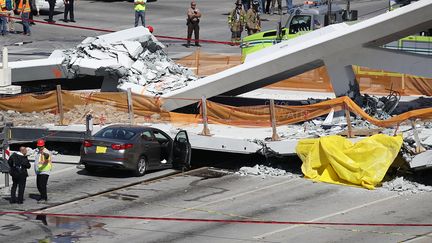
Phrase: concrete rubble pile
(262, 170)
(135, 63)
(403, 186)
(102, 114)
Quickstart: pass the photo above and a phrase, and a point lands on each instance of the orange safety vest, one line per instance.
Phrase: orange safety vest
(26, 8)
(2, 6)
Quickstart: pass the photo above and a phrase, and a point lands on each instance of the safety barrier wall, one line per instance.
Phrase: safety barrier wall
(149, 109)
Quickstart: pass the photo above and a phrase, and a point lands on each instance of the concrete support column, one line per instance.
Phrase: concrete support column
(343, 80)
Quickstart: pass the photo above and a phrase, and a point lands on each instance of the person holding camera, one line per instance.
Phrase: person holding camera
(18, 165)
(43, 167)
(193, 19)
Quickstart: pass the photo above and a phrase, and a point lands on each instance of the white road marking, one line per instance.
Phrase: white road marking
(326, 216)
(230, 197)
(424, 238)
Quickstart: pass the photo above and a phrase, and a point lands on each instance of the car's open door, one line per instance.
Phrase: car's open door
(182, 150)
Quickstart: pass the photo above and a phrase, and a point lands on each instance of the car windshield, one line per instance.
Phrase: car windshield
(115, 133)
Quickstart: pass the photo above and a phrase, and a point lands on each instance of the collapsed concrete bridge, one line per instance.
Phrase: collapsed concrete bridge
(337, 47)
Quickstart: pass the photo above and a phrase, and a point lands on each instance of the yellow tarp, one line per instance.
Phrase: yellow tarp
(335, 159)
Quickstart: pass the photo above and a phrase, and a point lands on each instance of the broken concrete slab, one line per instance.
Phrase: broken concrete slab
(422, 161)
(140, 34)
(137, 53)
(124, 60)
(133, 47)
(98, 54)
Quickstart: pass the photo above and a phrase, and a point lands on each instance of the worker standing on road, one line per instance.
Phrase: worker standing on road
(18, 164)
(261, 8)
(69, 9)
(273, 5)
(236, 21)
(140, 8)
(10, 7)
(253, 22)
(289, 6)
(42, 166)
(193, 19)
(52, 4)
(3, 17)
(24, 10)
(33, 11)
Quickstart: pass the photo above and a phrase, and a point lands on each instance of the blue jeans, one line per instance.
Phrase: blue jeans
(3, 28)
(262, 5)
(289, 5)
(140, 14)
(26, 24)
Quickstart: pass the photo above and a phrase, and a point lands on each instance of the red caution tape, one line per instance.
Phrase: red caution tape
(110, 31)
(225, 221)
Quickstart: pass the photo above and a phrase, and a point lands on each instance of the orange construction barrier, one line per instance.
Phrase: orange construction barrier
(371, 81)
(150, 107)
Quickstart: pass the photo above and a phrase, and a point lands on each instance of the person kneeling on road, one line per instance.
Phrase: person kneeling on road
(18, 164)
(43, 167)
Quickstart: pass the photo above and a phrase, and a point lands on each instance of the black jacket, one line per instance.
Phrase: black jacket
(18, 164)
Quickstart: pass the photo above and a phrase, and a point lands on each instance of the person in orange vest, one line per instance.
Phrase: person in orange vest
(3, 17)
(24, 10)
(43, 167)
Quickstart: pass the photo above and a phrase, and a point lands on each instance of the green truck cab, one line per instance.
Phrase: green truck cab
(302, 20)
(313, 16)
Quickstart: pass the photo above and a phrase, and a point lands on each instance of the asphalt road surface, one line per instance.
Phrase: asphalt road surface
(215, 194)
(167, 17)
(205, 193)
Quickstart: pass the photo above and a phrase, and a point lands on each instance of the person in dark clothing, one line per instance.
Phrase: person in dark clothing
(18, 164)
(69, 8)
(33, 11)
(267, 7)
(52, 4)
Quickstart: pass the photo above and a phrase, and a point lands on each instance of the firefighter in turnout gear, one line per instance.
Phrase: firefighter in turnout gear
(236, 22)
(253, 21)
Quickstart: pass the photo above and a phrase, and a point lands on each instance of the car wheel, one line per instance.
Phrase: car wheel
(90, 169)
(141, 167)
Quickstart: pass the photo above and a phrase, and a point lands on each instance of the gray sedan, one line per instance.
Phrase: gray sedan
(135, 148)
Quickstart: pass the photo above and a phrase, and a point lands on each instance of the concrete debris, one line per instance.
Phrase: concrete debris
(381, 107)
(403, 186)
(262, 170)
(102, 114)
(141, 62)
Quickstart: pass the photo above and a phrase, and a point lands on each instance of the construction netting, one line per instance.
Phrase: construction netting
(260, 115)
(204, 64)
(147, 109)
(371, 81)
(104, 106)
